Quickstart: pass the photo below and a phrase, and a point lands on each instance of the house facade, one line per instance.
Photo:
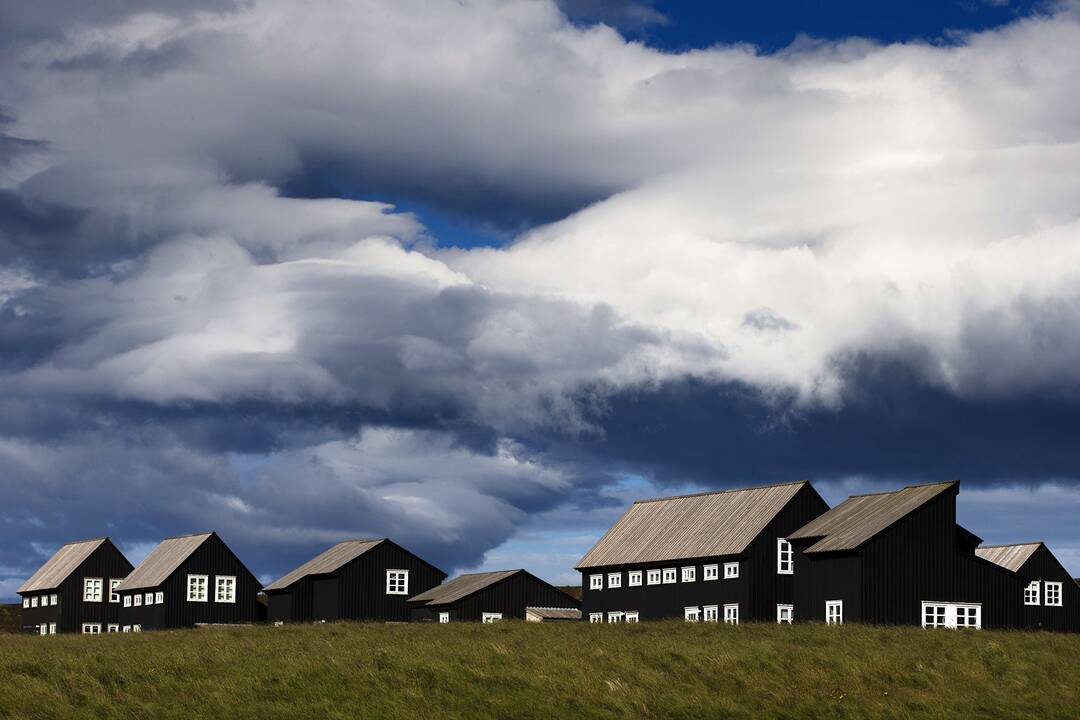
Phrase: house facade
(487, 597)
(720, 556)
(186, 581)
(1050, 596)
(353, 580)
(75, 590)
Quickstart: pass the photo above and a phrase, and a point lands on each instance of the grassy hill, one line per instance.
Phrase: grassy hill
(520, 670)
(10, 618)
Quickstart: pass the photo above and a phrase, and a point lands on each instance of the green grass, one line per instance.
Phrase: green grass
(10, 618)
(520, 670)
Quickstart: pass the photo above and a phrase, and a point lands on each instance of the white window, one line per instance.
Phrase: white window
(197, 588)
(444, 617)
(1031, 593)
(596, 582)
(127, 628)
(596, 617)
(44, 601)
(614, 580)
(26, 602)
(225, 589)
(91, 628)
(731, 614)
(43, 629)
(55, 599)
(127, 601)
(397, 582)
(150, 598)
(670, 575)
(112, 627)
(731, 570)
(631, 617)
(710, 613)
(710, 572)
(91, 589)
(136, 628)
(834, 612)
(490, 617)
(689, 574)
(784, 613)
(652, 577)
(951, 615)
(614, 617)
(114, 597)
(1053, 594)
(52, 628)
(633, 578)
(136, 600)
(159, 597)
(691, 614)
(785, 562)
(34, 602)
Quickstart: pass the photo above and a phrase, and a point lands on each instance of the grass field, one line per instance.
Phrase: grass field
(10, 618)
(519, 670)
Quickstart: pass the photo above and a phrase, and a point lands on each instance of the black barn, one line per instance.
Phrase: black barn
(719, 556)
(186, 581)
(487, 597)
(353, 580)
(1050, 596)
(899, 558)
(74, 592)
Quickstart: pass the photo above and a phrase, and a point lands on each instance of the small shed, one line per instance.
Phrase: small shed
(487, 597)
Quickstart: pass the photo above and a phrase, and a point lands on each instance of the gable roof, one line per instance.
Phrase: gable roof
(163, 561)
(690, 526)
(461, 586)
(63, 562)
(326, 562)
(861, 517)
(547, 613)
(1010, 557)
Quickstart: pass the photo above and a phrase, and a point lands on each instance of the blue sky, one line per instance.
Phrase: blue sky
(477, 275)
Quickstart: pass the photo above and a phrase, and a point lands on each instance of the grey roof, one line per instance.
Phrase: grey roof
(554, 613)
(690, 526)
(461, 586)
(326, 562)
(63, 562)
(1010, 557)
(861, 517)
(163, 561)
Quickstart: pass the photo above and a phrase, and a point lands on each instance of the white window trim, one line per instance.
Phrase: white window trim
(44, 601)
(614, 617)
(136, 628)
(159, 597)
(596, 617)
(34, 601)
(194, 597)
(127, 601)
(631, 616)
(43, 629)
(136, 600)
(114, 597)
(444, 617)
(55, 600)
(728, 619)
(52, 628)
(674, 573)
(710, 572)
(614, 580)
(596, 582)
(228, 583)
(731, 571)
(112, 627)
(149, 599)
(397, 581)
(949, 620)
(691, 614)
(650, 574)
(93, 592)
(689, 574)
(714, 610)
(1046, 593)
(784, 547)
(490, 617)
(26, 602)
(780, 610)
(1032, 593)
(91, 628)
(839, 606)
(633, 578)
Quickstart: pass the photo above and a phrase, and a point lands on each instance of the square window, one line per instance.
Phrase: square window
(113, 628)
(225, 589)
(670, 575)
(596, 617)
(614, 580)
(689, 574)
(159, 598)
(397, 582)
(444, 617)
(114, 597)
(631, 617)
(1053, 594)
(652, 577)
(834, 612)
(784, 613)
(490, 617)
(136, 600)
(92, 590)
(91, 628)
(785, 558)
(127, 601)
(731, 614)
(127, 628)
(633, 578)
(596, 582)
(54, 600)
(197, 588)
(26, 602)
(44, 601)
(710, 613)
(731, 570)
(614, 617)
(149, 598)
(710, 572)
(1031, 593)
(136, 628)
(691, 614)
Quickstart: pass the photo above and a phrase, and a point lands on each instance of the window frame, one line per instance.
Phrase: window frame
(674, 575)
(1047, 585)
(654, 576)
(136, 600)
(714, 610)
(193, 584)
(710, 572)
(114, 597)
(148, 599)
(34, 601)
(26, 603)
(444, 617)
(127, 601)
(112, 628)
(44, 601)
(783, 547)
(615, 616)
(782, 608)
(688, 574)
(54, 599)
(631, 576)
(1033, 590)
(596, 618)
(397, 581)
(630, 616)
(88, 585)
(159, 598)
(731, 618)
(52, 628)
(91, 630)
(728, 570)
(43, 629)
(692, 613)
(229, 583)
(837, 605)
(948, 616)
(488, 618)
(617, 577)
(596, 582)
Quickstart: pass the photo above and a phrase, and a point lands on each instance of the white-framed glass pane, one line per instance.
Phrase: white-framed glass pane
(614, 617)
(633, 578)
(127, 601)
(43, 629)
(1053, 594)
(114, 597)
(136, 600)
(490, 617)
(631, 617)
(92, 589)
(444, 617)
(159, 597)
(614, 580)
(34, 602)
(149, 598)
(653, 577)
(731, 614)
(834, 612)
(197, 588)
(670, 575)
(596, 582)
(784, 613)
(731, 570)
(26, 602)
(691, 614)
(112, 628)
(52, 628)
(397, 582)
(689, 574)
(710, 613)
(596, 617)
(785, 561)
(1031, 593)
(225, 589)
(710, 572)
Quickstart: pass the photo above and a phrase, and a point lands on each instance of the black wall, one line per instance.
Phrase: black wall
(1042, 566)
(509, 596)
(107, 563)
(821, 578)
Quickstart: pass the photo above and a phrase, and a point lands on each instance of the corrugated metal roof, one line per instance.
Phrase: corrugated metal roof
(163, 561)
(326, 562)
(1010, 557)
(861, 517)
(64, 562)
(554, 613)
(690, 526)
(461, 586)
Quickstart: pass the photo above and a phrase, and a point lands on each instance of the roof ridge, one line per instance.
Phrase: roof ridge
(906, 487)
(83, 542)
(187, 535)
(720, 492)
(1016, 544)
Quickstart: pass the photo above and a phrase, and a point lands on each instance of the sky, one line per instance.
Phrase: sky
(475, 275)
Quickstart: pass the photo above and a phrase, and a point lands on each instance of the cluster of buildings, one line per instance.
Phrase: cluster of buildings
(775, 553)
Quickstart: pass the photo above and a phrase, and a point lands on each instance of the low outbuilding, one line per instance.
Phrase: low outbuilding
(487, 597)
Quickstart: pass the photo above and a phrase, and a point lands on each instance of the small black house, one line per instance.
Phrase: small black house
(899, 558)
(710, 556)
(186, 581)
(75, 591)
(353, 580)
(1051, 597)
(487, 597)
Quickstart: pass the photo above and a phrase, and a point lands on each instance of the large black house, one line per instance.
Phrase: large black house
(1051, 597)
(353, 580)
(186, 581)
(488, 597)
(710, 556)
(75, 591)
(899, 558)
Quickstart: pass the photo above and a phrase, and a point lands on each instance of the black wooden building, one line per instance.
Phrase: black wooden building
(1051, 598)
(186, 581)
(353, 580)
(487, 597)
(720, 556)
(899, 558)
(74, 591)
